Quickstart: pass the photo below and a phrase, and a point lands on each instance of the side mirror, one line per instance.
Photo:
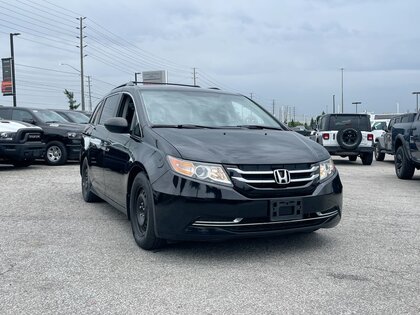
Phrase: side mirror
(29, 121)
(117, 125)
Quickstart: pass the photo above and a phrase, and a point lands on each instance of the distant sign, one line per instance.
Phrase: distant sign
(6, 84)
(154, 76)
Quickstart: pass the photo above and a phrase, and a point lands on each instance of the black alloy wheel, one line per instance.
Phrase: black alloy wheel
(349, 138)
(142, 214)
(379, 156)
(403, 167)
(87, 193)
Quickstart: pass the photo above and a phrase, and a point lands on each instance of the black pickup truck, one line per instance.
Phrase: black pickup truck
(384, 143)
(406, 145)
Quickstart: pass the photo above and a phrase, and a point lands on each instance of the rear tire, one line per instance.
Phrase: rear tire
(22, 163)
(403, 167)
(367, 158)
(353, 158)
(142, 214)
(378, 155)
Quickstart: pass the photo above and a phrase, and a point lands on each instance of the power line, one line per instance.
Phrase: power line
(8, 3)
(38, 5)
(32, 18)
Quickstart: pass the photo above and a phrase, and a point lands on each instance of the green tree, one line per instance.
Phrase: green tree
(71, 100)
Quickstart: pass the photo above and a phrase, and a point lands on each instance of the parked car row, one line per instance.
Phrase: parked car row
(58, 141)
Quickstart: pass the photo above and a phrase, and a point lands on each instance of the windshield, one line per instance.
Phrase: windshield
(347, 121)
(205, 109)
(379, 125)
(78, 117)
(48, 116)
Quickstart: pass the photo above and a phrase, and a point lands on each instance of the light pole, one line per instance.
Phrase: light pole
(82, 89)
(12, 55)
(342, 90)
(417, 100)
(356, 103)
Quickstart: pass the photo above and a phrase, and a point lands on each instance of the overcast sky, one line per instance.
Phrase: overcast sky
(289, 51)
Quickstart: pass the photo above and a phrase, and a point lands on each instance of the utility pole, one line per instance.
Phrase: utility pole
(90, 94)
(356, 103)
(417, 100)
(294, 113)
(195, 76)
(135, 76)
(81, 46)
(251, 94)
(342, 90)
(274, 104)
(12, 55)
(333, 104)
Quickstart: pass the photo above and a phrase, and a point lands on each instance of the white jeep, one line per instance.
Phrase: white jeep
(347, 135)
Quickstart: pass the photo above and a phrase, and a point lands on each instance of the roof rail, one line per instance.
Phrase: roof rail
(132, 83)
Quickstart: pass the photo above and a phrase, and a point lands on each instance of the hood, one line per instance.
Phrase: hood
(66, 126)
(243, 146)
(13, 126)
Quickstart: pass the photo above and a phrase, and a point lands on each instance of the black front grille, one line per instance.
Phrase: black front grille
(263, 181)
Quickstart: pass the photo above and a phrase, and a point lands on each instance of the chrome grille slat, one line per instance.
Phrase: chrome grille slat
(265, 179)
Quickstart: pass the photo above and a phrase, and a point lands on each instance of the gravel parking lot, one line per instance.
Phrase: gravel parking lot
(61, 255)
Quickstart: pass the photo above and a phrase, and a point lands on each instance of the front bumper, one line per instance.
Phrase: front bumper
(22, 151)
(73, 148)
(190, 210)
(337, 150)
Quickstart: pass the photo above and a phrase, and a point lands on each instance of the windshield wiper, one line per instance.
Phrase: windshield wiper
(259, 127)
(184, 126)
(52, 122)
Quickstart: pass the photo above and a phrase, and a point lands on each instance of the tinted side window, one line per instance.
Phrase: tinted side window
(5, 113)
(94, 119)
(110, 108)
(21, 115)
(405, 119)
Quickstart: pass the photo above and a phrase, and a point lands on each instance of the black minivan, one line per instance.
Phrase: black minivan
(187, 163)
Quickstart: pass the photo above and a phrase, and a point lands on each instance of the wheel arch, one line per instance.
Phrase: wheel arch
(135, 169)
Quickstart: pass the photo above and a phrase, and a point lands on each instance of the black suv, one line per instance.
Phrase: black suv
(73, 116)
(62, 138)
(186, 163)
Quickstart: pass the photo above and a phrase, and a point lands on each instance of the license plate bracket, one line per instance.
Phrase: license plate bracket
(281, 210)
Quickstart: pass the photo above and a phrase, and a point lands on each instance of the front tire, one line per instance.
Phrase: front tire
(142, 214)
(87, 193)
(403, 167)
(56, 153)
(378, 155)
(367, 158)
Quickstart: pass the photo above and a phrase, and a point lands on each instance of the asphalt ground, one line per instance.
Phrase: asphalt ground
(60, 255)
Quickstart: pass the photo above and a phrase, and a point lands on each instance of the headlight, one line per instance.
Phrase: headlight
(74, 135)
(7, 135)
(326, 169)
(203, 171)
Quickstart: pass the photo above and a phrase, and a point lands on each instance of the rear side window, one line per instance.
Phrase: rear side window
(110, 108)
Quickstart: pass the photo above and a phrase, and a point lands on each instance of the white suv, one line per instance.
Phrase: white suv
(347, 135)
